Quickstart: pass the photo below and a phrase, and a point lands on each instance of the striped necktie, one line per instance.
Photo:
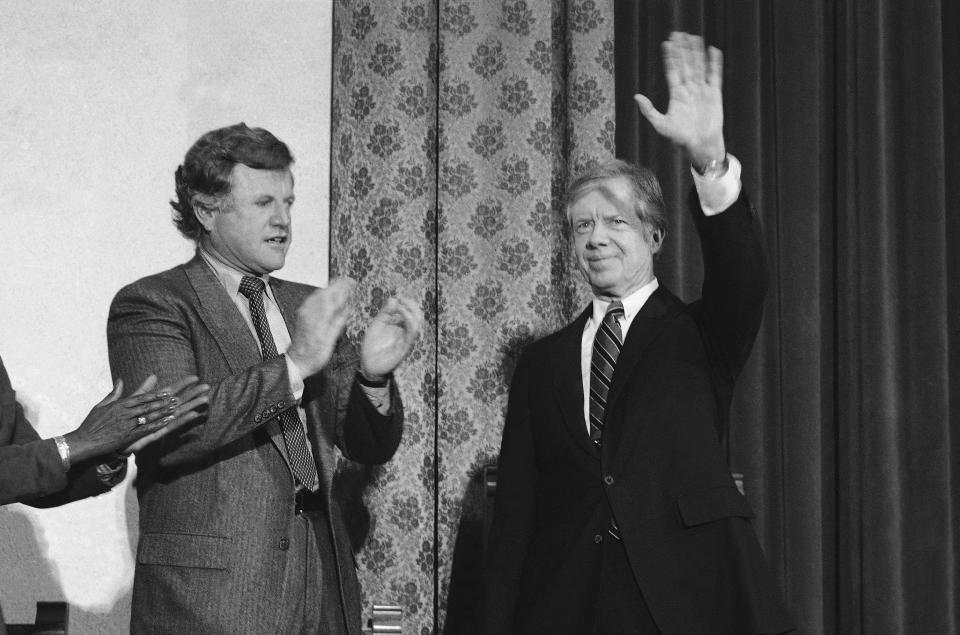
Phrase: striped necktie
(301, 462)
(606, 349)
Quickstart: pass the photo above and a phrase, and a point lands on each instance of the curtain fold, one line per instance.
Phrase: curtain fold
(845, 118)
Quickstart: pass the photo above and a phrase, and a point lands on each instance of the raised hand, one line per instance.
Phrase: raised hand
(694, 116)
(390, 337)
(115, 424)
(320, 322)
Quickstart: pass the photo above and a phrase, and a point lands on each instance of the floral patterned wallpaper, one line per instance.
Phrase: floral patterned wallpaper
(455, 127)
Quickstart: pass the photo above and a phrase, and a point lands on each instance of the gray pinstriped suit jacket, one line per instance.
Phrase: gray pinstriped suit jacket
(216, 500)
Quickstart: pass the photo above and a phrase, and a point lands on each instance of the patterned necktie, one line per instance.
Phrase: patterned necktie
(606, 350)
(293, 433)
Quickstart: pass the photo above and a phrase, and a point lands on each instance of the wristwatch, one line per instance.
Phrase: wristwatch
(372, 383)
(714, 169)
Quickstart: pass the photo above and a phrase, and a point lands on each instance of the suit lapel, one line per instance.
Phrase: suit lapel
(568, 381)
(229, 330)
(222, 318)
(653, 317)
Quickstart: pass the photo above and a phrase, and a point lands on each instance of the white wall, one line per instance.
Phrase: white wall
(99, 101)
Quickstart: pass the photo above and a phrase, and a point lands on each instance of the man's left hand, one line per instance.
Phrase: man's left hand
(390, 337)
(694, 117)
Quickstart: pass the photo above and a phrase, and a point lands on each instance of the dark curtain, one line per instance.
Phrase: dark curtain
(846, 117)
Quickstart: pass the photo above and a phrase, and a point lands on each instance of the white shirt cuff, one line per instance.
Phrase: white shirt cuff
(379, 397)
(112, 473)
(296, 380)
(716, 195)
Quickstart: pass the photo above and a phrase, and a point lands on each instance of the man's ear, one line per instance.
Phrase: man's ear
(204, 207)
(656, 240)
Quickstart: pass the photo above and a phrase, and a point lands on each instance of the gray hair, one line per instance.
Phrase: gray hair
(647, 197)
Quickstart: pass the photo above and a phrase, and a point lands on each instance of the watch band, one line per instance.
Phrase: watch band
(713, 169)
(63, 449)
(370, 383)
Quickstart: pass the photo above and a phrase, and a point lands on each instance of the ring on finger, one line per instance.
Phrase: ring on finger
(141, 420)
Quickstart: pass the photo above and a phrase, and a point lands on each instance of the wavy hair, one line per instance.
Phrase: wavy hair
(203, 180)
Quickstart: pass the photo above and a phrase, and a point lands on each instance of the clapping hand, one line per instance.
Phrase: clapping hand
(320, 322)
(390, 337)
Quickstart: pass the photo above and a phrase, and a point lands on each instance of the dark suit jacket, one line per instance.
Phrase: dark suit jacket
(216, 502)
(30, 468)
(662, 472)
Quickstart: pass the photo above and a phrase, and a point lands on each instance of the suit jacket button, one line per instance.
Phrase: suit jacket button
(279, 404)
(257, 418)
(284, 544)
(608, 479)
(598, 538)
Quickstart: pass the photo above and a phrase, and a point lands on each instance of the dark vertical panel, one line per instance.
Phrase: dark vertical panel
(950, 50)
(849, 599)
(902, 266)
(793, 360)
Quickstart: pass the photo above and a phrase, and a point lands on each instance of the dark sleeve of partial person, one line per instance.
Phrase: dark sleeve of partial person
(29, 467)
(31, 471)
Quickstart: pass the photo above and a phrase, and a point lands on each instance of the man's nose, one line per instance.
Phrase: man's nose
(280, 215)
(598, 234)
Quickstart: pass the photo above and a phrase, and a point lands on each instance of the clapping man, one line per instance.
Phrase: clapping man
(240, 529)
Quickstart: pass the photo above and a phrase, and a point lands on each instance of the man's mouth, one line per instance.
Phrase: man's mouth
(278, 240)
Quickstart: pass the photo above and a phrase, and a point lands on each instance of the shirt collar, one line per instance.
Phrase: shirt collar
(229, 276)
(631, 303)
